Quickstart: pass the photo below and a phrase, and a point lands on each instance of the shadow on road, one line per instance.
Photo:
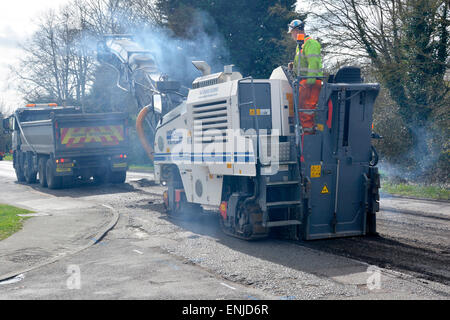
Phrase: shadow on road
(281, 252)
(84, 189)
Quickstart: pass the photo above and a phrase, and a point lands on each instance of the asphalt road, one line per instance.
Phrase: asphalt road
(414, 238)
(150, 256)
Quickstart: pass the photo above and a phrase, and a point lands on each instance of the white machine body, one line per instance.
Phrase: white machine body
(210, 136)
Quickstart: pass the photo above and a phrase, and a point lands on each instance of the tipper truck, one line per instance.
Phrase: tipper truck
(59, 145)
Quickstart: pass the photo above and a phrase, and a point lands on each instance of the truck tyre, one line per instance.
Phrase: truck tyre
(118, 177)
(18, 166)
(53, 181)
(29, 172)
(43, 172)
(19, 175)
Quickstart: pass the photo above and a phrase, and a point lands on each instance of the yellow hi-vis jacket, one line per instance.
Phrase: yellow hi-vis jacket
(311, 60)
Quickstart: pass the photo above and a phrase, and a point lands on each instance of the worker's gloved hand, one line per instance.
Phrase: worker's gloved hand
(291, 66)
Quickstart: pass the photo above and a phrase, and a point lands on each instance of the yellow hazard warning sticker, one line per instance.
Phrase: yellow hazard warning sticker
(252, 112)
(106, 135)
(320, 127)
(316, 171)
(325, 190)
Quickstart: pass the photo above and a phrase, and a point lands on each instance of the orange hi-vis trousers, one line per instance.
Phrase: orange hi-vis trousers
(308, 99)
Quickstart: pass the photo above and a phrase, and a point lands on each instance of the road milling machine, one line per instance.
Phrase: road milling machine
(235, 145)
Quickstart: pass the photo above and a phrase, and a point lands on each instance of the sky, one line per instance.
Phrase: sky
(16, 24)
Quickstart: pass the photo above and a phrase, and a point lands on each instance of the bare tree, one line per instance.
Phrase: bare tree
(146, 12)
(407, 45)
(58, 59)
(82, 50)
(118, 16)
(398, 37)
(102, 16)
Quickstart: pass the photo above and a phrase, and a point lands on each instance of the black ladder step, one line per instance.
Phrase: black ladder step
(282, 223)
(282, 183)
(287, 162)
(282, 204)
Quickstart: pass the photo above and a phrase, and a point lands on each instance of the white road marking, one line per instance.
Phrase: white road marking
(104, 205)
(34, 215)
(141, 235)
(225, 285)
(137, 251)
(16, 279)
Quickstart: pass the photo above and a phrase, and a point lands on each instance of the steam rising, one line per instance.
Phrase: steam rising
(422, 151)
(174, 56)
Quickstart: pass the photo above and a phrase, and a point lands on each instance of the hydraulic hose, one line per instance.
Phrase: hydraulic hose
(375, 157)
(140, 130)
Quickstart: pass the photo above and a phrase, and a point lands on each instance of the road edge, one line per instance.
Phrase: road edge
(389, 195)
(98, 237)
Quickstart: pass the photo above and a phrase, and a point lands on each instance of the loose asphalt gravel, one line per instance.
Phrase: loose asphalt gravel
(299, 270)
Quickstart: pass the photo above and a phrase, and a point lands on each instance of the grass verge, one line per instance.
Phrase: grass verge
(10, 222)
(416, 191)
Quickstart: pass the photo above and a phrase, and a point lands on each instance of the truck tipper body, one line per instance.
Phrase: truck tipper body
(62, 144)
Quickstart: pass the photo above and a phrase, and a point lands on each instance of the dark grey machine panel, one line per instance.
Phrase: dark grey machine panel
(342, 152)
(263, 104)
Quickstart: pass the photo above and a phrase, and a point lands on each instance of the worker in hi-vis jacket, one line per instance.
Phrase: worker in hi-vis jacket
(307, 62)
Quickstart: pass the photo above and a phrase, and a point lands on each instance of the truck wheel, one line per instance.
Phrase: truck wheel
(118, 177)
(53, 181)
(19, 175)
(30, 174)
(43, 172)
(18, 166)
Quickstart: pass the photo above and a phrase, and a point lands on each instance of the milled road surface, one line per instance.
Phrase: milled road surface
(149, 255)
(414, 238)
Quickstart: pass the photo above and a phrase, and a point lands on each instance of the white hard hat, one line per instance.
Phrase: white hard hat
(296, 24)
